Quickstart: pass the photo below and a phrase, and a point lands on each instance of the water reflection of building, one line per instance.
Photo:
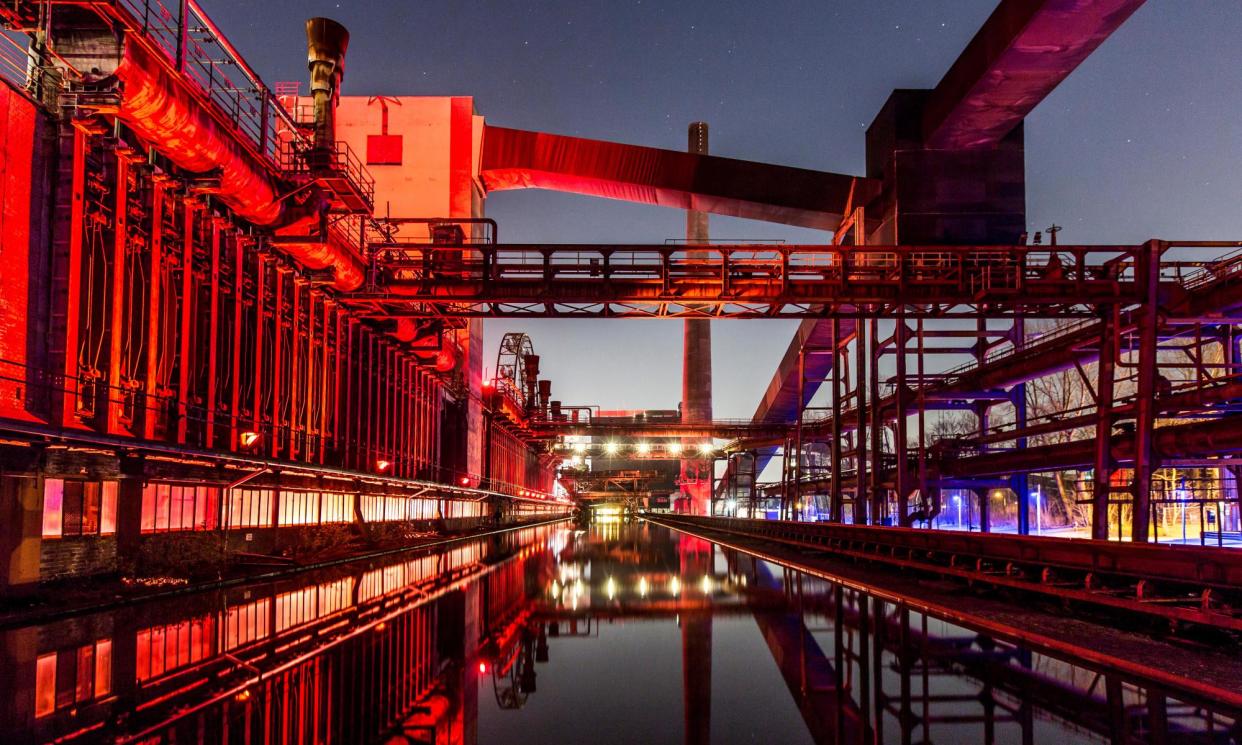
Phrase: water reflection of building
(342, 657)
(410, 650)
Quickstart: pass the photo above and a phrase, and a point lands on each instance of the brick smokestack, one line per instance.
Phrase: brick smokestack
(696, 371)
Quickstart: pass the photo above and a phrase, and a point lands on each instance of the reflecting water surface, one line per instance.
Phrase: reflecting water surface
(619, 633)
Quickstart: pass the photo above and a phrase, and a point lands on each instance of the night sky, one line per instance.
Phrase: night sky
(1143, 140)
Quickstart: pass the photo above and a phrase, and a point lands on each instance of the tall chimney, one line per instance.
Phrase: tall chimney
(326, 42)
(696, 371)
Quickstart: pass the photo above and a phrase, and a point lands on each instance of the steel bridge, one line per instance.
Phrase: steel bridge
(211, 336)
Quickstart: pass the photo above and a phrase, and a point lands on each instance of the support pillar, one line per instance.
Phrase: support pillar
(860, 431)
(1105, 374)
(117, 329)
(21, 530)
(901, 435)
(1145, 409)
(836, 507)
(1019, 483)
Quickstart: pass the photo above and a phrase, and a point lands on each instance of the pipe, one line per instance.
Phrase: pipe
(322, 252)
(161, 110)
(326, 43)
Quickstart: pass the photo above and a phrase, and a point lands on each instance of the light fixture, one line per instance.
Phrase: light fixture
(610, 448)
(382, 465)
(248, 439)
(643, 448)
(706, 448)
(674, 447)
(579, 448)
(465, 481)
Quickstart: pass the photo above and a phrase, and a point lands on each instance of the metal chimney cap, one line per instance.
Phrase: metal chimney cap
(326, 41)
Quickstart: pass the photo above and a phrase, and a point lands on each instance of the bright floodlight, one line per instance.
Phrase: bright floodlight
(643, 448)
(579, 448)
(674, 447)
(706, 448)
(610, 448)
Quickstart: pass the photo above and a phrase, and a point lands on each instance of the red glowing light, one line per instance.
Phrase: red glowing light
(483, 668)
(382, 465)
(465, 481)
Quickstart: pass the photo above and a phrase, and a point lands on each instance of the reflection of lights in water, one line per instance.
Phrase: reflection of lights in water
(612, 588)
(674, 586)
(707, 585)
(642, 587)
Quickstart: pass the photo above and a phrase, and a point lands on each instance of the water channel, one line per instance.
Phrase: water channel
(618, 632)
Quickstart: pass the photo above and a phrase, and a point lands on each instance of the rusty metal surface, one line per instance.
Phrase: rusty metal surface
(517, 159)
(1023, 51)
(744, 281)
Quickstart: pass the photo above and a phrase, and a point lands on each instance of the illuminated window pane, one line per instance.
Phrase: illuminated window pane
(103, 668)
(53, 507)
(45, 685)
(107, 508)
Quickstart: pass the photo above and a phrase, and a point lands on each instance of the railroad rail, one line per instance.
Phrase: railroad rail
(1178, 585)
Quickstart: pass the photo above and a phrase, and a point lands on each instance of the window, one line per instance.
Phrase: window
(299, 508)
(76, 508)
(168, 507)
(72, 676)
(249, 508)
(162, 649)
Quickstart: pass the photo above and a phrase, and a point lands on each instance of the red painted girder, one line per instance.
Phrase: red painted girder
(517, 159)
(1023, 51)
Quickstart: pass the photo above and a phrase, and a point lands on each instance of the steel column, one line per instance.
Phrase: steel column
(116, 324)
(153, 407)
(1104, 393)
(186, 337)
(213, 346)
(1145, 412)
(836, 507)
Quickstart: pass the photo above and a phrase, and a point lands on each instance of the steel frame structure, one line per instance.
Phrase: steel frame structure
(750, 281)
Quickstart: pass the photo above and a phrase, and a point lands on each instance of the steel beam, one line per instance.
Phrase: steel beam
(1023, 51)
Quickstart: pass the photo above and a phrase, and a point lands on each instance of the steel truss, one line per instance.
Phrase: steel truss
(752, 281)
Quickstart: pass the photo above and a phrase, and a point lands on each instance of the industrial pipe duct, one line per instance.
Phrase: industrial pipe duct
(161, 109)
(326, 42)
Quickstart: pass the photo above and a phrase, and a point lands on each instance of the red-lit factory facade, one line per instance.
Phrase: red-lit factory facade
(175, 352)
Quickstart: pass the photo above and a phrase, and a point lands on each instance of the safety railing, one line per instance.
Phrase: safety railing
(197, 48)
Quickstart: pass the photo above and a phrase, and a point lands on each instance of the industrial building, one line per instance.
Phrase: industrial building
(241, 328)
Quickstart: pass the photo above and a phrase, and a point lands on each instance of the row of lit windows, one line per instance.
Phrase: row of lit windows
(70, 677)
(167, 507)
(165, 649)
(75, 508)
(79, 675)
(78, 508)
